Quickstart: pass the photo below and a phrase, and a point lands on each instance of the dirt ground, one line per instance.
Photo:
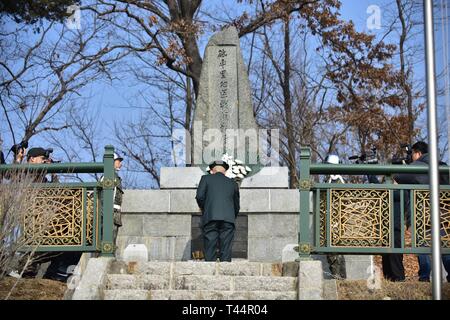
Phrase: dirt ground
(410, 262)
(411, 289)
(408, 290)
(32, 289)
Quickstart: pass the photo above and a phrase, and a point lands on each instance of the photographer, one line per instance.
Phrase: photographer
(2, 161)
(38, 156)
(392, 263)
(420, 156)
(49, 160)
(335, 261)
(2, 156)
(59, 264)
(34, 156)
(367, 158)
(19, 151)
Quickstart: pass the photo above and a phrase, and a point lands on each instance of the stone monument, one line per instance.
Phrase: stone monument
(224, 121)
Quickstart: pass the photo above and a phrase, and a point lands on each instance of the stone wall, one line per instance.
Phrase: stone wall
(162, 220)
(240, 241)
(165, 220)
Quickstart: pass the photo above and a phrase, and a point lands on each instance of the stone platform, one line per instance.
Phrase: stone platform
(165, 220)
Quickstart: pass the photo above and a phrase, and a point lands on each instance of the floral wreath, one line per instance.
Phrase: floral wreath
(237, 169)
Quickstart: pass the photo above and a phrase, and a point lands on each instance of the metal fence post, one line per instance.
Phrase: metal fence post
(304, 187)
(108, 184)
(433, 149)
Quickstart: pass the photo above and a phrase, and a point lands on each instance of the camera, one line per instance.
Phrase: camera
(17, 147)
(47, 153)
(50, 160)
(369, 157)
(404, 160)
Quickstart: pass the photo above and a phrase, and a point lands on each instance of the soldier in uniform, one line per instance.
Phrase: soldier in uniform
(118, 195)
(218, 198)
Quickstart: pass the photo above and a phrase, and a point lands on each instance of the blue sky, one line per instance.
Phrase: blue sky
(114, 102)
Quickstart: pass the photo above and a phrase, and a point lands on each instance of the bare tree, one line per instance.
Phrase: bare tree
(42, 75)
(148, 141)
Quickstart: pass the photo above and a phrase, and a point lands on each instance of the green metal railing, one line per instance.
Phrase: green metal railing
(359, 218)
(84, 217)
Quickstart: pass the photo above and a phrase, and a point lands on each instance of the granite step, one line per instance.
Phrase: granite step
(198, 295)
(201, 282)
(238, 268)
(235, 283)
(137, 282)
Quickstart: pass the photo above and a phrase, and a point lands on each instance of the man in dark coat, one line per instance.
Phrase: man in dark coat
(420, 157)
(218, 198)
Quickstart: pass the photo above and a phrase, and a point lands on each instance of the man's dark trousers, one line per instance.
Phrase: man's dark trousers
(392, 263)
(218, 233)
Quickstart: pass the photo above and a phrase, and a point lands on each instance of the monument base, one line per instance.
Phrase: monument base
(189, 177)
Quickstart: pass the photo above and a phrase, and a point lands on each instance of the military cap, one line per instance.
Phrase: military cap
(36, 152)
(219, 163)
(117, 157)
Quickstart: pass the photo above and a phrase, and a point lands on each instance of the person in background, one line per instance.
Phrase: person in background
(335, 261)
(420, 156)
(118, 195)
(34, 156)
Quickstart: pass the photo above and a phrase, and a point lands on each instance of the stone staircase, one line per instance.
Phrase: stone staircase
(198, 280)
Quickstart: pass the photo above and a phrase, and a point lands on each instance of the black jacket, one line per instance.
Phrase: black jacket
(412, 178)
(218, 198)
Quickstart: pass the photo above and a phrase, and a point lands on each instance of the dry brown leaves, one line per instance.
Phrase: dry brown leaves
(32, 289)
(409, 290)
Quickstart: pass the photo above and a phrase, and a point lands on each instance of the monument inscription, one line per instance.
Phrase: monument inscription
(224, 97)
(224, 105)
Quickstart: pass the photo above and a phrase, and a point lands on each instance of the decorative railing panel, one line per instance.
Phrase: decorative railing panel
(67, 214)
(323, 219)
(360, 218)
(422, 221)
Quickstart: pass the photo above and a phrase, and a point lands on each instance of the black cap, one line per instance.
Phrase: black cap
(219, 163)
(36, 152)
